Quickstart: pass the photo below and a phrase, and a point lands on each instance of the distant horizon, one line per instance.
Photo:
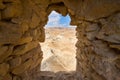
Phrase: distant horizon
(61, 27)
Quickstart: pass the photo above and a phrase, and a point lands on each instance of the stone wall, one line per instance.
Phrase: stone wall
(98, 33)
(21, 30)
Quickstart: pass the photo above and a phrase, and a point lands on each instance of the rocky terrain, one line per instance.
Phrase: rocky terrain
(59, 50)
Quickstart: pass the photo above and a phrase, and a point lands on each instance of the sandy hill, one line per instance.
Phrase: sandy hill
(59, 50)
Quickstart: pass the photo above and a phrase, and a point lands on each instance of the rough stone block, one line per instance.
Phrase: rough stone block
(34, 21)
(25, 48)
(15, 62)
(6, 53)
(24, 40)
(23, 67)
(2, 6)
(3, 49)
(9, 33)
(4, 67)
(11, 11)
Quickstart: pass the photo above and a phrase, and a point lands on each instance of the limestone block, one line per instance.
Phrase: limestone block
(2, 6)
(25, 26)
(6, 53)
(41, 37)
(23, 67)
(15, 62)
(43, 3)
(92, 27)
(16, 78)
(3, 49)
(34, 21)
(11, 1)
(25, 48)
(110, 31)
(37, 58)
(114, 38)
(91, 35)
(9, 33)
(24, 40)
(11, 11)
(4, 67)
(56, 1)
(38, 34)
(31, 53)
(118, 62)
(115, 46)
(95, 9)
(16, 20)
(36, 63)
(7, 77)
(103, 50)
(60, 9)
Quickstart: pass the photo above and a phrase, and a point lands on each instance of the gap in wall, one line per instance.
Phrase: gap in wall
(59, 51)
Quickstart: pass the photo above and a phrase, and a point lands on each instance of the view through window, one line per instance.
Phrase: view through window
(59, 47)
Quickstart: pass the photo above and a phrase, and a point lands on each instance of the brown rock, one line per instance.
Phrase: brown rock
(4, 67)
(23, 67)
(34, 21)
(118, 62)
(115, 46)
(25, 48)
(7, 77)
(13, 10)
(6, 53)
(2, 6)
(15, 62)
(9, 33)
(24, 40)
(92, 27)
(3, 49)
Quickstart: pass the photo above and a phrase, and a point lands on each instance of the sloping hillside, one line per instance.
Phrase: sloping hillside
(59, 50)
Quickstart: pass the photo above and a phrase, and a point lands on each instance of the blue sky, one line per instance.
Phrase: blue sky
(57, 20)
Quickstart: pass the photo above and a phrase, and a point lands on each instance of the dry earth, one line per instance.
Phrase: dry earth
(59, 50)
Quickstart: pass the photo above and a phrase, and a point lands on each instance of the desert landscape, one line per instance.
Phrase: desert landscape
(59, 49)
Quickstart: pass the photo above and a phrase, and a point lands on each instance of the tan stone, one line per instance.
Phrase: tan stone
(60, 9)
(6, 54)
(56, 1)
(11, 1)
(24, 40)
(31, 53)
(92, 27)
(25, 48)
(23, 67)
(4, 67)
(13, 10)
(15, 62)
(42, 35)
(34, 21)
(3, 49)
(36, 63)
(16, 78)
(118, 62)
(2, 6)
(115, 46)
(25, 26)
(9, 33)
(7, 77)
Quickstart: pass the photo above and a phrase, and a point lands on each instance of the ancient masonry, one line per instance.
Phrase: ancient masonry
(98, 33)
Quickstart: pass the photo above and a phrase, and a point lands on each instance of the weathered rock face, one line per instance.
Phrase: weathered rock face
(98, 33)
